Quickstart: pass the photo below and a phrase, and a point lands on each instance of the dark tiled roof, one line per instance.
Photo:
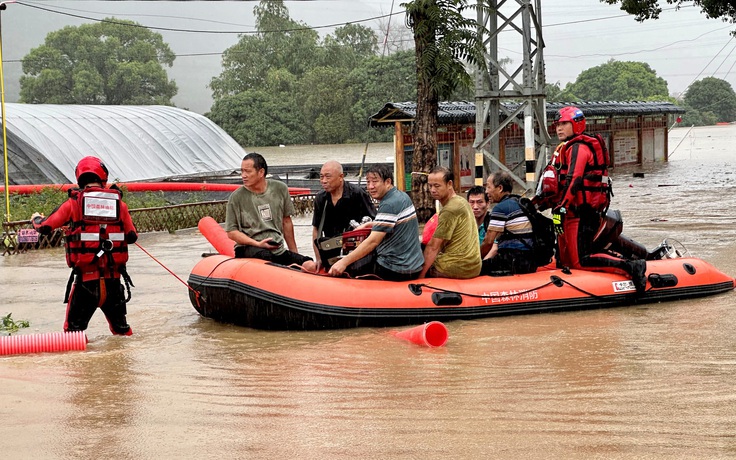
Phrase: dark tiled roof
(463, 112)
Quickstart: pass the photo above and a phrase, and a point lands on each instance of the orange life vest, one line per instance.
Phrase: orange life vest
(96, 237)
(593, 189)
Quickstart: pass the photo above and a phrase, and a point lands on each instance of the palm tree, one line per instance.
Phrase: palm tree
(444, 42)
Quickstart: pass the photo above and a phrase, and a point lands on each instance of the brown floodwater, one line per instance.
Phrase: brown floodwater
(652, 381)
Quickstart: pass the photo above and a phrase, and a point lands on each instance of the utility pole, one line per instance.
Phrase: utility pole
(517, 93)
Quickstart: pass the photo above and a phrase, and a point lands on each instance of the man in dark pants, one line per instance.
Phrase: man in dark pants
(582, 200)
(258, 217)
(99, 232)
(337, 204)
(509, 232)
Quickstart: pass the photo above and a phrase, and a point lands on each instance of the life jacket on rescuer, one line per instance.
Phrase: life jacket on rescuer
(548, 189)
(95, 241)
(593, 190)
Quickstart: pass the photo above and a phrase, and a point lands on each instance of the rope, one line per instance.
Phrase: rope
(554, 280)
(196, 293)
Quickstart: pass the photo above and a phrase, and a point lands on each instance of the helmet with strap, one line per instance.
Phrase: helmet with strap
(574, 115)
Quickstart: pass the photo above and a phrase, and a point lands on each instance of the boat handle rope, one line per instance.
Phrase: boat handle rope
(416, 289)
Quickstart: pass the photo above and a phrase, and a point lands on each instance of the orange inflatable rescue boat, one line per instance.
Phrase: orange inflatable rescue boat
(263, 295)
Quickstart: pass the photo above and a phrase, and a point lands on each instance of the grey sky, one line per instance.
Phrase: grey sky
(681, 46)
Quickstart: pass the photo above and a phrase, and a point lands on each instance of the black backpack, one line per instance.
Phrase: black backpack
(543, 232)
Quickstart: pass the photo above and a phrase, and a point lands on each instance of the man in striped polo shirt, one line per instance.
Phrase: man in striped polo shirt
(394, 232)
(509, 231)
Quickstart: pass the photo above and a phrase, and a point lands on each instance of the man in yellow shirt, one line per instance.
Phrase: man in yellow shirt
(453, 251)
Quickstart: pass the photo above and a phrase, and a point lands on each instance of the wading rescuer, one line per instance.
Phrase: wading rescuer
(577, 187)
(97, 230)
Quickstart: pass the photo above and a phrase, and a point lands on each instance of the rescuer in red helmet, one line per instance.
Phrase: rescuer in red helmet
(581, 199)
(97, 231)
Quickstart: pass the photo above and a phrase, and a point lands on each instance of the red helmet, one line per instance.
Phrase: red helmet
(90, 169)
(573, 115)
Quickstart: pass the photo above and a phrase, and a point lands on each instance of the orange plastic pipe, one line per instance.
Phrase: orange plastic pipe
(217, 236)
(37, 343)
(432, 334)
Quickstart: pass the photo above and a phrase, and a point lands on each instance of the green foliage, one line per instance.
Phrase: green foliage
(10, 325)
(377, 80)
(45, 201)
(697, 118)
(650, 9)
(281, 43)
(350, 45)
(618, 81)
(111, 62)
(557, 94)
(283, 86)
(446, 41)
(257, 117)
(712, 95)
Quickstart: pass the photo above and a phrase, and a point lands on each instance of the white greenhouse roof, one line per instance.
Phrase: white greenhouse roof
(46, 141)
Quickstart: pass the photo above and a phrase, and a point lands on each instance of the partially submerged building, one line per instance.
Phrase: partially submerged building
(635, 133)
(137, 143)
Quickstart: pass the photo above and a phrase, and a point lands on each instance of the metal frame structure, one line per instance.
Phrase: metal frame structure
(524, 84)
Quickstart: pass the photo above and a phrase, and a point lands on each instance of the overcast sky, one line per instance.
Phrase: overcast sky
(681, 46)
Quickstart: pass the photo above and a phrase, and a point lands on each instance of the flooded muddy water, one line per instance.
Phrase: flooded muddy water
(652, 381)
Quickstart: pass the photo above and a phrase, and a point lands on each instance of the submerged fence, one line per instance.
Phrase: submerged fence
(18, 237)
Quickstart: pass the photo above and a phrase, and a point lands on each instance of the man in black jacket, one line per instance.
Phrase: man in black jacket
(337, 204)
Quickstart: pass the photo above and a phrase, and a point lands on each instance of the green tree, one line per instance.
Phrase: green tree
(331, 86)
(258, 117)
(269, 115)
(712, 95)
(111, 62)
(650, 9)
(697, 118)
(618, 81)
(325, 98)
(555, 93)
(280, 43)
(444, 40)
(376, 81)
(350, 45)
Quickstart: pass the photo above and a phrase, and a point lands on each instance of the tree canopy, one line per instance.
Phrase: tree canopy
(324, 90)
(712, 95)
(110, 62)
(650, 9)
(617, 81)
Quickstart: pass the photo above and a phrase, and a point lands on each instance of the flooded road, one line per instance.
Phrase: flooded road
(653, 381)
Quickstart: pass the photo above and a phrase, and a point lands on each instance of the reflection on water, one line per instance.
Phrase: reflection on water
(653, 381)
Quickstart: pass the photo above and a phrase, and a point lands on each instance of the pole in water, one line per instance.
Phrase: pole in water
(432, 334)
(38, 343)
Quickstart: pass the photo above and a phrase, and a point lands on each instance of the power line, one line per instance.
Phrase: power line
(231, 32)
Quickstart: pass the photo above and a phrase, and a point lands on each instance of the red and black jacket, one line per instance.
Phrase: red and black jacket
(97, 229)
(583, 174)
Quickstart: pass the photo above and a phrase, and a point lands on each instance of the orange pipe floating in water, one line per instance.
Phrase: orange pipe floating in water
(37, 343)
(432, 334)
(217, 236)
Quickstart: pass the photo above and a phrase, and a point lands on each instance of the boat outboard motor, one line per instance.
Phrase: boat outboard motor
(609, 237)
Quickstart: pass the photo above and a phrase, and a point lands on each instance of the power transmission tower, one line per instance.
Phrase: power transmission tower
(518, 93)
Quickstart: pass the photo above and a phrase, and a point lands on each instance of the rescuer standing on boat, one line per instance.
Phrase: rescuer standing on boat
(98, 230)
(580, 197)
